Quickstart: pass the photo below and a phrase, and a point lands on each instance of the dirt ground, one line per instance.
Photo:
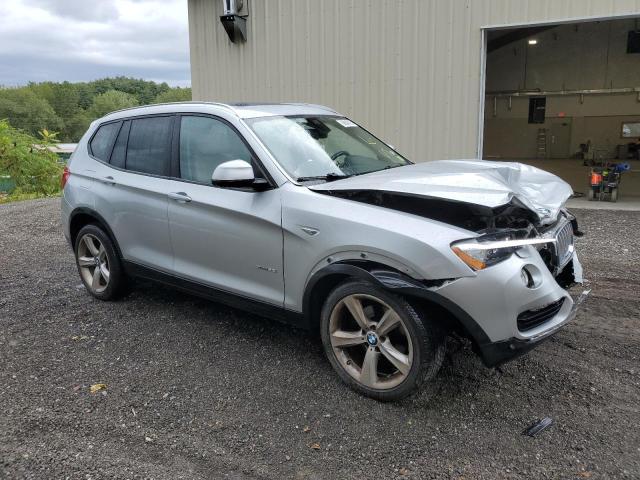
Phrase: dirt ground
(198, 390)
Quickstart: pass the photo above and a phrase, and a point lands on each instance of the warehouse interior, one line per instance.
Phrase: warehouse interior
(566, 98)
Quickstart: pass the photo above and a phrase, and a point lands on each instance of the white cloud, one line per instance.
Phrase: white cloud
(79, 9)
(82, 40)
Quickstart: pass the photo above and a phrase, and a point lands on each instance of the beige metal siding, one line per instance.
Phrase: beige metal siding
(408, 70)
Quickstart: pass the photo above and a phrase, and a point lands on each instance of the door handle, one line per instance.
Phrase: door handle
(109, 180)
(180, 197)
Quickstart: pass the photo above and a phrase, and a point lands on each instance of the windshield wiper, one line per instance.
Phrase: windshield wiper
(328, 177)
(380, 169)
(388, 167)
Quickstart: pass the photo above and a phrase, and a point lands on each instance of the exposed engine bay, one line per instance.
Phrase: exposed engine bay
(470, 216)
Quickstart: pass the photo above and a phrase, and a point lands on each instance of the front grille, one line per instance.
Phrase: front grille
(532, 318)
(564, 244)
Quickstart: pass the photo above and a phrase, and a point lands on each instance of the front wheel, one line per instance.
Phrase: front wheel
(377, 342)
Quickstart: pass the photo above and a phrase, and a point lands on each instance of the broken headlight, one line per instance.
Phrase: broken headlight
(482, 252)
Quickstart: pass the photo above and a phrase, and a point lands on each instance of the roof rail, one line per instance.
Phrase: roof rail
(225, 105)
(315, 105)
(229, 107)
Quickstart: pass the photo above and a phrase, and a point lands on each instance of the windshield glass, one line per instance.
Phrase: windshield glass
(323, 146)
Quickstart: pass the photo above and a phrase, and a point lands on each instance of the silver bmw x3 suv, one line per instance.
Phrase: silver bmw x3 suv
(297, 213)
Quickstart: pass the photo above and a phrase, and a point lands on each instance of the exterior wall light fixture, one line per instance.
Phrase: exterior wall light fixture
(234, 19)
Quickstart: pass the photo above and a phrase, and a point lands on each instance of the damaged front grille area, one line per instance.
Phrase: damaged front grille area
(564, 244)
(530, 319)
(558, 255)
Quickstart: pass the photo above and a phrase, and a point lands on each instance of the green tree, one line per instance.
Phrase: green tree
(69, 108)
(85, 93)
(63, 97)
(174, 95)
(77, 125)
(27, 111)
(144, 90)
(110, 101)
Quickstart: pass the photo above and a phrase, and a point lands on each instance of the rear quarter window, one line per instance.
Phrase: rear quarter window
(102, 140)
(119, 152)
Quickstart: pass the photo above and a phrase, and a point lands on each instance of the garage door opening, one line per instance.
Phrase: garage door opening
(565, 97)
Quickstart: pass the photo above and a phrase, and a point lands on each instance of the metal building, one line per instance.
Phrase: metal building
(411, 71)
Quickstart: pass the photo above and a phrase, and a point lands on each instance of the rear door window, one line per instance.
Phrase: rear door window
(102, 141)
(149, 145)
(205, 143)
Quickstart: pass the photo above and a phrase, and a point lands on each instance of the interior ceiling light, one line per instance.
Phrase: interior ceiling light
(533, 41)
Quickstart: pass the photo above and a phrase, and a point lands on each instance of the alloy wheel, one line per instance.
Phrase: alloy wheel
(94, 263)
(370, 341)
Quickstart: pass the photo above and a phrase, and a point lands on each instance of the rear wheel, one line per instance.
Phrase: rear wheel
(98, 264)
(378, 343)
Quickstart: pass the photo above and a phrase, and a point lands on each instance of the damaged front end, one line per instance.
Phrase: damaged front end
(519, 245)
(524, 263)
(512, 221)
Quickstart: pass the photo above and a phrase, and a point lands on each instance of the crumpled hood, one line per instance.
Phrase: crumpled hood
(480, 182)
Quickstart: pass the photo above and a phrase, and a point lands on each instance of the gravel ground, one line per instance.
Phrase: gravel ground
(198, 390)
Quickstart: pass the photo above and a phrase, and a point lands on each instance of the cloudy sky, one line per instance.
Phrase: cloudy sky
(80, 40)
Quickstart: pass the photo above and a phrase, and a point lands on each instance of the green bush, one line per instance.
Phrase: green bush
(32, 167)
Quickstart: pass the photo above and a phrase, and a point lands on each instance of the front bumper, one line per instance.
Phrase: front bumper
(495, 353)
(514, 316)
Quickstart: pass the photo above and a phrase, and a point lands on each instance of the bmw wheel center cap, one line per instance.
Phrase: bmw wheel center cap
(372, 339)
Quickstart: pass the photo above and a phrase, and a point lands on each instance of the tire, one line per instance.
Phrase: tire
(110, 282)
(414, 343)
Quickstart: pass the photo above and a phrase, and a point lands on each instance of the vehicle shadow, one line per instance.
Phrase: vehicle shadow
(462, 373)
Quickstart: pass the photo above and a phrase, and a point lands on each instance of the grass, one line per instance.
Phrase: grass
(18, 197)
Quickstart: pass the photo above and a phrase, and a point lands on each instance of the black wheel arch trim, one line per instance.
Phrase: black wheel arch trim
(398, 283)
(99, 218)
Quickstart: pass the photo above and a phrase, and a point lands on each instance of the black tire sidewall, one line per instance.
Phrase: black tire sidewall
(116, 274)
(427, 341)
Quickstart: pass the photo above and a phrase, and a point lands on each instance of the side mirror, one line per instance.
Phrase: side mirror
(234, 173)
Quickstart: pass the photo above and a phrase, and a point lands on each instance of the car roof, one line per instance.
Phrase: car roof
(242, 110)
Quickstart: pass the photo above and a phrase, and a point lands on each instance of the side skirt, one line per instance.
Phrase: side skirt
(205, 291)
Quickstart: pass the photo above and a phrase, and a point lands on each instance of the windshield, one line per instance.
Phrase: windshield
(323, 147)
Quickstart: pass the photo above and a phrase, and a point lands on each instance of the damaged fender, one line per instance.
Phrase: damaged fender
(399, 284)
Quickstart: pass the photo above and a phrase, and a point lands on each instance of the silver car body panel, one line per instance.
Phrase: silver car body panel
(136, 208)
(508, 296)
(268, 245)
(229, 239)
(348, 230)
